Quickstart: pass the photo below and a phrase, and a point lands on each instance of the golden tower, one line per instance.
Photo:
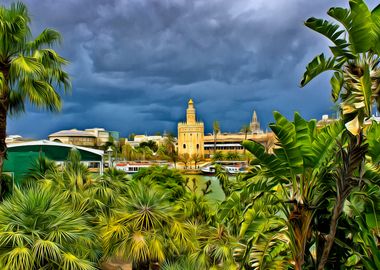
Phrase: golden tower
(191, 134)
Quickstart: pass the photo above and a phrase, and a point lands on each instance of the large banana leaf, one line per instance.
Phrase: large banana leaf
(373, 139)
(342, 15)
(289, 150)
(336, 82)
(375, 14)
(304, 133)
(268, 162)
(319, 65)
(361, 31)
(332, 32)
(325, 145)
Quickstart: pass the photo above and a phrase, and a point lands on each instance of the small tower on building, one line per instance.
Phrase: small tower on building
(191, 133)
(255, 124)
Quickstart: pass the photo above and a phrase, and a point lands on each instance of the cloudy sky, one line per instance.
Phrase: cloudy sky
(135, 63)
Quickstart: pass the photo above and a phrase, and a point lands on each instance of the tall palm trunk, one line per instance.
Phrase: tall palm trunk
(3, 130)
(214, 143)
(4, 104)
(245, 138)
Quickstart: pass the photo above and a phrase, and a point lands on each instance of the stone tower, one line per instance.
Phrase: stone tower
(255, 124)
(191, 133)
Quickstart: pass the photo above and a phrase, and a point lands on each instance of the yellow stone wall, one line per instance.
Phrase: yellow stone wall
(191, 134)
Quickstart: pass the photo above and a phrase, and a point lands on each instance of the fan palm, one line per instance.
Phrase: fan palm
(105, 192)
(72, 180)
(166, 179)
(215, 248)
(39, 230)
(30, 71)
(40, 168)
(146, 230)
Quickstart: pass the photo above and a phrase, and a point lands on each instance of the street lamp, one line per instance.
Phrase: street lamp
(109, 151)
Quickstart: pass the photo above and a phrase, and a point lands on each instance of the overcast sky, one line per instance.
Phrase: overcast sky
(135, 63)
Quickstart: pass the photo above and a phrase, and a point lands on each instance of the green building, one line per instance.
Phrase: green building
(22, 156)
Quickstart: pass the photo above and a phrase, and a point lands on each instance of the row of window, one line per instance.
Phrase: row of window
(227, 148)
(184, 146)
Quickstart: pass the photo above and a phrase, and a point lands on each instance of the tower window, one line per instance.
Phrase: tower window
(184, 146)
(197, 146)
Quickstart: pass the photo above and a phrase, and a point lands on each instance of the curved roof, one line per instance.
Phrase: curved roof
(72, 133)
(56, 144)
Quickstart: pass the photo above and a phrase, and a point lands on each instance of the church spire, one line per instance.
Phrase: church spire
(255, 124)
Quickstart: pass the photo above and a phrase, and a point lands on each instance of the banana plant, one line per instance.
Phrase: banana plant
(355, 60)
(355, 36)
(298, 171)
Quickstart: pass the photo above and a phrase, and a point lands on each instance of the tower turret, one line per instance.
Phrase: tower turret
(190, 134)
(190, 113)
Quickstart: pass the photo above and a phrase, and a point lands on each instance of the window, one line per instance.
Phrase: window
(184, 146)
(197, 146)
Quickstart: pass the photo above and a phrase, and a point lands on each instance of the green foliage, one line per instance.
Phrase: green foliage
(146, 229)
(152, 145)
(298, 170)
(169, 180)
(31, 69)
(38, 229)
(218, 156)
(355, 60)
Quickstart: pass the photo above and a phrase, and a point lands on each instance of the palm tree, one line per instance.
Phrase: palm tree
(215, 130)
(185, 158)
(71, 180)
(218, 156)
(215, 248)
(355, 83)
(166, 179)
(104, 195)
(41, 167)
(40, 230)
(196, 158)
(146, 231)
(30, 71)
(232, 156)
(169, 149)
(246, 128)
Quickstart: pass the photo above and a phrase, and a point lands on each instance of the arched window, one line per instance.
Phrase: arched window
(197, 146)
(184, 146)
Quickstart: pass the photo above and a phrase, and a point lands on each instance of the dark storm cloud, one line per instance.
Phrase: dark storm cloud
(135, 63)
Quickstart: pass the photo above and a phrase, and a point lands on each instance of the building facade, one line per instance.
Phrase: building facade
(191, 138)
(74, 137)
(92, 137)
(191, 134)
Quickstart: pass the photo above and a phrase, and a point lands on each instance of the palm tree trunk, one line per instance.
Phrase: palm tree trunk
(245, 138)
(214, 143)
(4, 103)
